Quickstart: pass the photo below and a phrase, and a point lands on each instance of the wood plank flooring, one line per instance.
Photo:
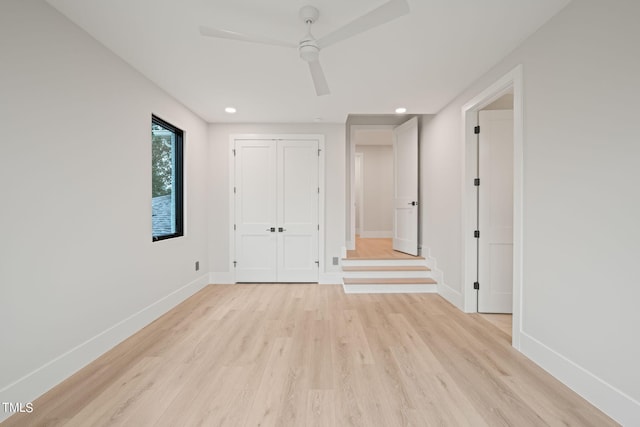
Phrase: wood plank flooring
(376, 248)
(309, 355)
(501, 321)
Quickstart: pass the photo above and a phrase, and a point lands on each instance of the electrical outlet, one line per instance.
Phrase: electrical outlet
(197, 265)
(335, 260)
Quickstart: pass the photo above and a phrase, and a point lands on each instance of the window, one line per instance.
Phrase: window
(166, 180)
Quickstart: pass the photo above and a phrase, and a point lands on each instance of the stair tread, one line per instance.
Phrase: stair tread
(388, 268)
(389, 281)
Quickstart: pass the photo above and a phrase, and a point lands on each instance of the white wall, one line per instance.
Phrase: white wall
(218, 187)
(581, 205)
(378, 190)
(77, 264)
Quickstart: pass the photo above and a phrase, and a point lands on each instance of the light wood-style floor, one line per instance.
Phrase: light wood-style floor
(372, 248)
(309, 355)
(501, 321)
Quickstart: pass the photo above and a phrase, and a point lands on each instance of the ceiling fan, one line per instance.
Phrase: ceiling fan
(309, 47)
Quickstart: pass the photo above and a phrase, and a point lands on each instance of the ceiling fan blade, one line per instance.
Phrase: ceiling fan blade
(319, 80)
(381, 15)
(232, 35)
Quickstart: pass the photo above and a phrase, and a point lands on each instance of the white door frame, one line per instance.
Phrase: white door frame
(513, 80)
(353, 129)
(321, 202)
(360, 156)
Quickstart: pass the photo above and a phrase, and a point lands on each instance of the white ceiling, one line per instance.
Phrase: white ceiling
(419, 61)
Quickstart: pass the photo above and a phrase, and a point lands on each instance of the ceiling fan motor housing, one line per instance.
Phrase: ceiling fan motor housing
(309, 50)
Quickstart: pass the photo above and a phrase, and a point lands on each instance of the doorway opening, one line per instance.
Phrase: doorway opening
(507, 255)
(373, 196)
(382, 196)
(374, 184)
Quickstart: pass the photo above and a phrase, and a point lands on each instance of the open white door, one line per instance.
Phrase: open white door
(495, 213)
(405, 187)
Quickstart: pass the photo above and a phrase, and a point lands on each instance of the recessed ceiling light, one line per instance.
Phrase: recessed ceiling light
(230, 110)
(401, 110)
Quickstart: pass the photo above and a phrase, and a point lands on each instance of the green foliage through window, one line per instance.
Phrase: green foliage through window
(162, 160)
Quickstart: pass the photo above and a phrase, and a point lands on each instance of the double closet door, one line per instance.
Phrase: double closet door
(276, 197)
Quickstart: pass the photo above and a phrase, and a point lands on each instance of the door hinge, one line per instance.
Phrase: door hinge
(318, 190)
(476, 234)
(234, 151)
(476, 130)
(318, 227)
(476, 285)
(318, 263)
(234, 226)
(235, 263)
(319, 150)
(234, 190)
(476, 182)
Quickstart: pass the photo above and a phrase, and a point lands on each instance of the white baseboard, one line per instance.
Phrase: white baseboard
(376, 234)
(332, 278)
(451, 295)
(221, 278)
(226, 278)
(44, 378)
(613, 402)
(448, 293)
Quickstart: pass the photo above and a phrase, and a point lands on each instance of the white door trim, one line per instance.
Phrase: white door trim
(512, 80)
(360, 156)
(321, 201)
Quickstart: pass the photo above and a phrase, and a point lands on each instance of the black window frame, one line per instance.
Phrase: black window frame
(178, 185)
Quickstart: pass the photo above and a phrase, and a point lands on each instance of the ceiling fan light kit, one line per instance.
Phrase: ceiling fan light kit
(309, 48)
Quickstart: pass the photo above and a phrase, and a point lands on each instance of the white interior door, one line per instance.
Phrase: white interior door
(276, 211)
(495, 214)
(405, 188)
(255, 211)
(297, 216)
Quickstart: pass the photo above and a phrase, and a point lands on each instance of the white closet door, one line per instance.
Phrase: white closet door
(297, 217)
(496, 212)
(255, 211)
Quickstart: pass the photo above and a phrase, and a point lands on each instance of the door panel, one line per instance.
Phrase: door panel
(256, 258)
(405, 169)
(495, 216)
(298, 211)
(255, 211)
